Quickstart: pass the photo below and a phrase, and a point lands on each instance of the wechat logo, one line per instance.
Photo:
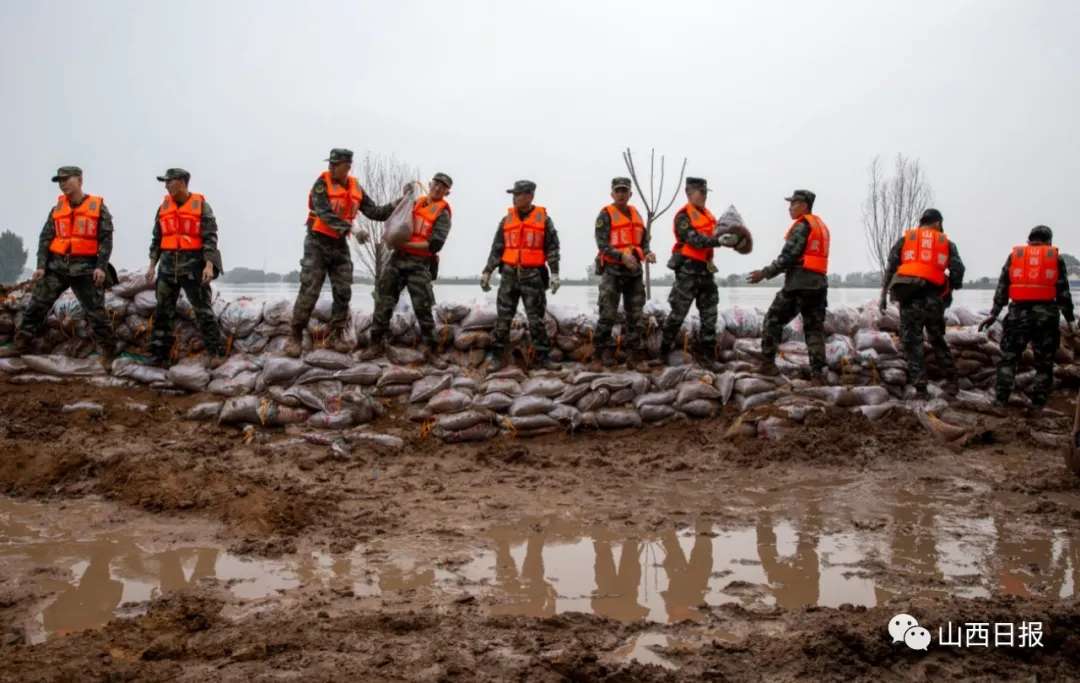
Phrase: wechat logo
(905, 628)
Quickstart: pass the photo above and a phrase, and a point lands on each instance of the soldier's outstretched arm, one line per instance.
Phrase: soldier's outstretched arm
(892, 264)
(1001, 294)
(374, 211)
(792, 252)
(439, 232)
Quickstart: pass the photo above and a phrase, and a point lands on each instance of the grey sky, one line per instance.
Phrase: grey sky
(763, 97)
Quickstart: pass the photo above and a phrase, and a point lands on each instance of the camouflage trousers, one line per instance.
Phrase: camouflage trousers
(402, 274)
(924, 310)
(49, 288)
(630, 287)
(169, 286)
(811, 304)
(1036, 324)
(690, 288)
(529, 285)
(324, 256)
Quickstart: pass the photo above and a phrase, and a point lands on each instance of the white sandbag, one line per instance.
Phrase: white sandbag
(748, 386)
(543, 386)
(965, 337)
(743, 322)
(426, 387)
(374, 439)
(88, 407)
(463, 420)
(131, 284)
(871, 395)
(671, 377)
(695, 391)
(364, 374)
(278, 313)
(622, 397)
(397, 230)
(63, 366)
(531, 405)
(144, 374)
(839, 350)
(12, 366)
(328, 359)
(277, 370)
(399, 375)
(236, 364)
(208, 410)
(533, 423)
(594, 400)
(699, 408)
(337, 420)
(240, 317)
(144, 304)
(449, 401)
(189, 376)
(843, 321)
(496, 401)
(502, 386)
(725, 384)
(572, 393)
(464, 383)
(585, 377)
(315, 375)
(875, 411)
(479, 432)
(568, 416)
(481, 317)
(656, 413)
(657, 398)
(242, 383)
(745, 403)
(611, 382)
(404, 356)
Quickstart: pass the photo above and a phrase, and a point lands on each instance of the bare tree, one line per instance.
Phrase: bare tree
(655, 198)
(382, 178)
(893, 204)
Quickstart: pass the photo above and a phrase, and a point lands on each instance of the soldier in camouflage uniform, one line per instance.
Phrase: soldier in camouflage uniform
(184, 256)
(333, 203)
(692, 261)
(915, 276)
(803, 260)
(414, 266)
(73, 251)
(525, 247)
(1035, 283)
(621, 275)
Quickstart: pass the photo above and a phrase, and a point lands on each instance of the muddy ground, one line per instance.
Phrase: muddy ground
(667, 554)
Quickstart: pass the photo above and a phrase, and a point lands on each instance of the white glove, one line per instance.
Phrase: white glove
(729, 240)
(554, 284)
(485, 282)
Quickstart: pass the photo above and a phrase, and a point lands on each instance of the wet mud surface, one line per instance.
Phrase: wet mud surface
(138, 546)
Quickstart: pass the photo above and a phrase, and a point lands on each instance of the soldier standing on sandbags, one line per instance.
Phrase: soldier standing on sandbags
(414, 265)
(73, 251)
(804, 260)
(334, 200)
(623, 246)
(924, 269)
(524, 248)
(184, 256)
(692, 261)
(1035, 283)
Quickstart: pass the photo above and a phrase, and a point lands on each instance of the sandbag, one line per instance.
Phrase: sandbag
(399, 375)
(242, 383)
(397, 230)
(657, 398)
(774, 428)
(328, 359)
(531, 423)
(449, 401)
(278, 312)
(463, 420)
(190, 376)
(374, 439)
(463, 383)
(882, 342)
(568, 416)
(426, 387)
(655, 412)
(202, 412)
(745, 403)
(450, 313)
(478, 432)
(131, 284)
(312, 375)
(325, 396)
(725, 384)
(748, 386)
(496, 401)
(404, 356)
(671, 377)
(277, 370)
(622, 397)
(743, 322)
(481, 317)
(35, 378)
(618, 418)
(611, 382)
(472, 339)
(145, 374)
(502, 386)
(12, 366)
(695, 391)
(531, 405)
(699, 408)
(63, 366)
(594, 400)
(234, 366)
(365, 374)
(871, 395)
(543, 386)
(338, 420)
(572, 393)
(144, 304)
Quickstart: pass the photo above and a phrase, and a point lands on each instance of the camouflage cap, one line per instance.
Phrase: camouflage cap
(175, 174)
(339, 154)
(802, 196)
(696, 184)
(621, 183)
(66, 172)
(1041, 233)
(523, 187)
(444, 179)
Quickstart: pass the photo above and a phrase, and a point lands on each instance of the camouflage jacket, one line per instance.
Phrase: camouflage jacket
(789, 262)
(77, 265)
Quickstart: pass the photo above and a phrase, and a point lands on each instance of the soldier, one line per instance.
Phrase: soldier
(924, 269)
(692, 261)
(804, 260)
(525, 247)
(73, 251)
(623, 246)
(334, 200)
(414, 265)
(184, 246)
(1035, 282)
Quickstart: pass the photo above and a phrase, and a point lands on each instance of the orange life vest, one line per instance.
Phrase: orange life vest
(424, 214)
(344, 200)
(702, 221)
(925, 254)
(523, 240)
(627, 233)
(816, 254)
(181, 226)
(1033, 273)
(76, 229)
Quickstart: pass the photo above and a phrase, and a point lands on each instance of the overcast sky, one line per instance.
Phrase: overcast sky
(762, 97)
